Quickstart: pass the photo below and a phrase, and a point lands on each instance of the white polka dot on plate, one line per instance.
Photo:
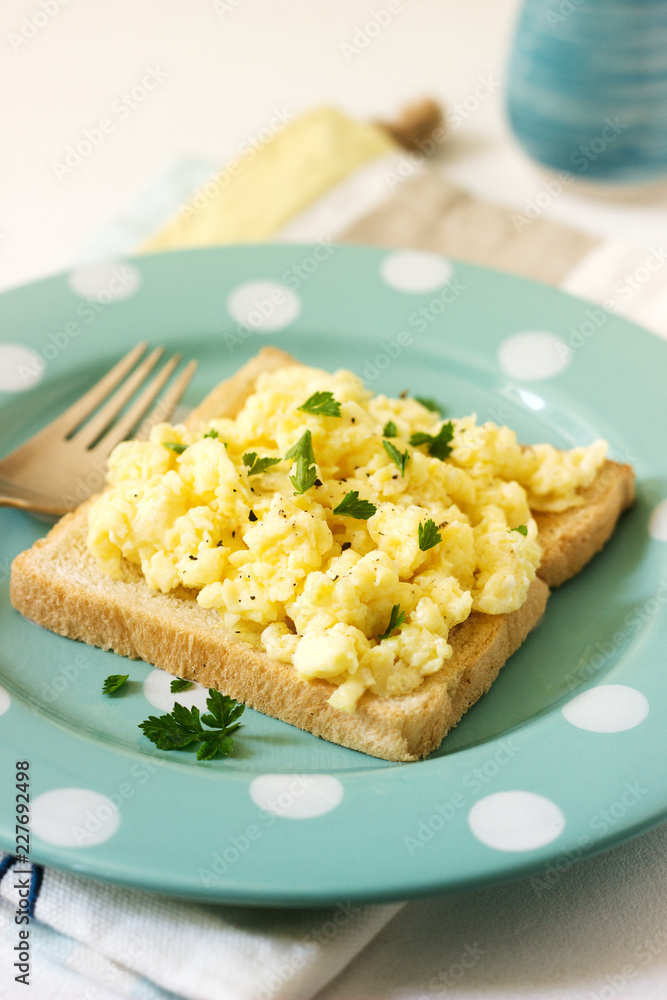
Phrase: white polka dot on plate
(657, 526)
(296, 796)
(110, 281)
(264, 306)
(73, 817)
(415, 271)
(20, 368)
(5, 700)
(157, 692)
(607, 708)
(516, 821)
(533, 356)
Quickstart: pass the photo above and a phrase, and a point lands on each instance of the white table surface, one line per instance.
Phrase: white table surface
(227, 66)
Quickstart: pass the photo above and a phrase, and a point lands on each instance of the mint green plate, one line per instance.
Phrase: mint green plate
(531, 779)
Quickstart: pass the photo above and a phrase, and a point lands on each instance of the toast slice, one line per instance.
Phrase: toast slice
(58, 584)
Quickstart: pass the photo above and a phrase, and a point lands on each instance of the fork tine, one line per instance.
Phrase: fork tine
(168, 403)
(125, 425)
(89, 433)
(85, 405)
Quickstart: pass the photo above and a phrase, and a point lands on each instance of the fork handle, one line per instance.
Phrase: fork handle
(39, 506)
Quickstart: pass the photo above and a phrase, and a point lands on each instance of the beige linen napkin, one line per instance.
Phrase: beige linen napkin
(430, 213)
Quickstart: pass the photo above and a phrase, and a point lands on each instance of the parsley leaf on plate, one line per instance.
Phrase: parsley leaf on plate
(352, 506)
(211, 434)
(521, 528)
(256, 465)
(438, 444)
(395, 621)
(179, 684)
(321, 404)
(184, 726)
(428, 535)
(113, 683)
(399, 459)
(175, 446)
(389, 430)
(224, 711)
(214, 742)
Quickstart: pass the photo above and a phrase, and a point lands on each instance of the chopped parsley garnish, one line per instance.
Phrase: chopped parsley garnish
(183, 727)
(114, 682)
(352, 506)
(521, 528)
(179, 684)
(304, 476)
(175, 446)
(211, 434)
(399, 459)
(304, 448)
(305, 473)
(389, 430)
(395, 621)
(431, 404)
(256, 465)
(438, 444)
(428, 535)
(321, 404)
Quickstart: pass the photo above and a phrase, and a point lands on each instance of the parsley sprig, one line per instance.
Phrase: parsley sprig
(398, 458)
(303, 448)
(257, 465)
(521, 528)
(438, 444)
(305, 473)
(352, 506)
(389, 430)
(304, 477)
(428, 535)
(175, 446)
(184, 726)
(396, 619)
(179, 684)
(321, 404)
(211, 434)
(114, 682)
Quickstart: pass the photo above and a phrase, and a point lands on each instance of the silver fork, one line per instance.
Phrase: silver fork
(65, 462)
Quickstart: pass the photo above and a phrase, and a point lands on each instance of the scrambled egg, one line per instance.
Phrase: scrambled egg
(318, 589)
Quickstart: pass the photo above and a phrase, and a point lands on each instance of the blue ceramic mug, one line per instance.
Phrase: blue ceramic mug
(587, 87)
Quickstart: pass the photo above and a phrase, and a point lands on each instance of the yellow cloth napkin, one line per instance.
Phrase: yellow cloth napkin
(254, 196)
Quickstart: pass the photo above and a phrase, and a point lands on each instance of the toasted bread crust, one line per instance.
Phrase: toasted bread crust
(570, 538)
(58, 584)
